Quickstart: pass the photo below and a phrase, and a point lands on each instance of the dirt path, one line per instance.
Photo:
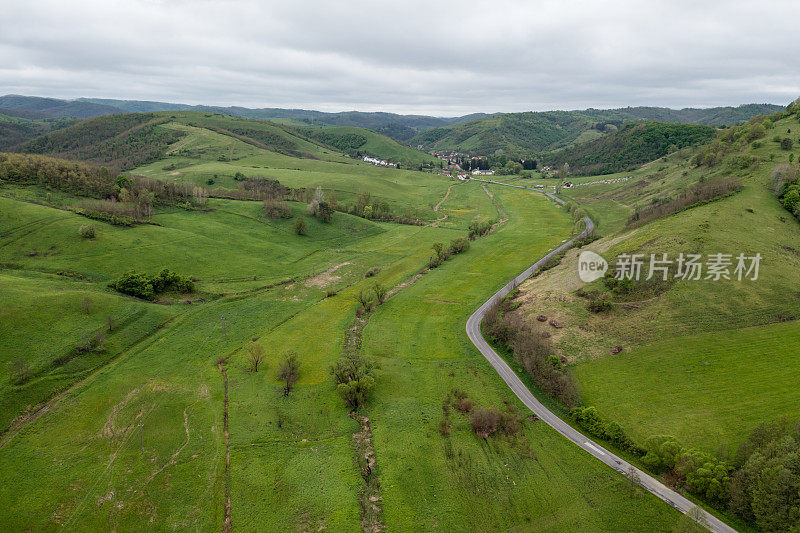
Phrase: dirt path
(445, 197)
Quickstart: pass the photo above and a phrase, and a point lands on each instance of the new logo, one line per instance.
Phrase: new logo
(591, 266)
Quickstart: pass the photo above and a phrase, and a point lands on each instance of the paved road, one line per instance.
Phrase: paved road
(522, 392)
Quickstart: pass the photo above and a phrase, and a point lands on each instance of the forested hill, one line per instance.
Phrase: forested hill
(631, 146)
(523, 134)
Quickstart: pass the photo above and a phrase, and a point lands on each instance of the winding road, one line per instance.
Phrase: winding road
(512, 380)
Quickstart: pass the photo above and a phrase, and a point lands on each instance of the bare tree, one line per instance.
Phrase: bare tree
(289, 371)
(255, 356)
(111, 323)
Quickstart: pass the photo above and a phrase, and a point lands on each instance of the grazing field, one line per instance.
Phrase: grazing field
(85, 463)
(708, 389)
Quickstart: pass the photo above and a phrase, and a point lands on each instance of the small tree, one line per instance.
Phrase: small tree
(86, 305)
(363, 298)
(110, 323)
(353, 375)
(289, 371)
(255, 356)
(300, 226)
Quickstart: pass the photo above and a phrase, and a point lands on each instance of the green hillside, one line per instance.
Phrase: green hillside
(703, 361)
(126, 141)
(629, 147)
(523, 134)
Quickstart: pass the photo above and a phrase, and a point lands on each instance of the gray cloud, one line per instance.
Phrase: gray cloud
(443, 57)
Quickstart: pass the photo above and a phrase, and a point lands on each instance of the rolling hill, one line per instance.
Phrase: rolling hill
(524, 134)
(125, 141)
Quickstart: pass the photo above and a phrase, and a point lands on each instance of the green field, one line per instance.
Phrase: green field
(722, 384)
(78, 464)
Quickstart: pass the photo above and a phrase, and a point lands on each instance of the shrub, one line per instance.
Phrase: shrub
(87, 231)
(590, 420)
(380, 293)
(485, 421)
(786, 143)
(478, 229)
(300, 226)
(459, 245)
(662, 452)
(135, 284)
(599, 302)
(275, 208)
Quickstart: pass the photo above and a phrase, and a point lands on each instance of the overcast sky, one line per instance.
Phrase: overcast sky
(432, 57)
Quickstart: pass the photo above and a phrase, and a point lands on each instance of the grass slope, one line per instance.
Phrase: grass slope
(718, 352)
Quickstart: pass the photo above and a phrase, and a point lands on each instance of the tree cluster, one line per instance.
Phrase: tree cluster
(148, 287)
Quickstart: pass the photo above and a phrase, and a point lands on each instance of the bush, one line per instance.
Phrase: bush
(87, 232)
(135, 284)
(590, 420)
(786, 143)
(479, 229)
(485, 421)
(599, 302)
(661, 452)
(275, 208)
(300, 226)
(459, 245)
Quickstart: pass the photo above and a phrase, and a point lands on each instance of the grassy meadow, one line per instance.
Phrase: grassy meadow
(133, 435)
